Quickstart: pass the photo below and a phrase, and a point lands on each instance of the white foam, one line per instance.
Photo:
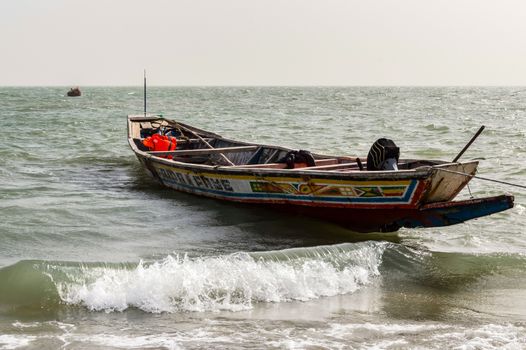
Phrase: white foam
(234, 333)
(201, 338)
(388, 344)
(491, 336)
(300, 344)
(387, 328)
(233, 282)
(8, 341)
(131, 342)
(66, 327)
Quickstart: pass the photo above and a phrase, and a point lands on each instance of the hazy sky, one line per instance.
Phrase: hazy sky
(263, 42)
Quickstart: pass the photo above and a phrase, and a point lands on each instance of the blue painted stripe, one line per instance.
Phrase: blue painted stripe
(291, 197)
(436, 217)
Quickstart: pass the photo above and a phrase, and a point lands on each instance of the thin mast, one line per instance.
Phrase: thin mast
(145, 92)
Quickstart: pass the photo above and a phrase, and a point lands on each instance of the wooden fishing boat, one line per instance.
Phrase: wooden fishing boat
(335, 188)
(74, 92)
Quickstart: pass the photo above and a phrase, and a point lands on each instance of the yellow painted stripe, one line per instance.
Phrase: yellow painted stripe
(298, 179)
(393, 191)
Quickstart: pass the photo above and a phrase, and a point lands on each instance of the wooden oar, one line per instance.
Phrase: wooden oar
(206, 143)
(469, 144)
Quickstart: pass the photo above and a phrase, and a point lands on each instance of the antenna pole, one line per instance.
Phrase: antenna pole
(145, 92)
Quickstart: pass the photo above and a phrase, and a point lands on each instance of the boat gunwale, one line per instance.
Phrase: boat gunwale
(418, 173)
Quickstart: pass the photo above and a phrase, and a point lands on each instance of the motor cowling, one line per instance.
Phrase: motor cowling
(383, 155)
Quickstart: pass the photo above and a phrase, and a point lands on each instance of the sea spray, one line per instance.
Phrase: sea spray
(231, 282)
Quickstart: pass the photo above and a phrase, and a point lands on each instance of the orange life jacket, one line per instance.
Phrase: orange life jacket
(158, 142)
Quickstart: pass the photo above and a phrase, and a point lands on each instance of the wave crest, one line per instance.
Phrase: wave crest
(232, 282)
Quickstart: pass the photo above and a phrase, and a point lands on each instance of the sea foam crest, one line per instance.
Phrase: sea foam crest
(231, 282)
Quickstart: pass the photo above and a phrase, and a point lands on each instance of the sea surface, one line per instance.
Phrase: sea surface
(96, 255)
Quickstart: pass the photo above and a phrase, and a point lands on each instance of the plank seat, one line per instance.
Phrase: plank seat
(182, 142)
(329, 167)
(203, 151)
(319, 162)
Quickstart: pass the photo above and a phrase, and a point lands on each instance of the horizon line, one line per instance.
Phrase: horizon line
(265, 86)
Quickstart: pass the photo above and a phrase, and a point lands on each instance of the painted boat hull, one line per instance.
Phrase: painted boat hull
(391, 220)
(292, 189)
(363, 201)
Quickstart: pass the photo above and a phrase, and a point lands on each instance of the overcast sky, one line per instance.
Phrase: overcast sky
(263, 42)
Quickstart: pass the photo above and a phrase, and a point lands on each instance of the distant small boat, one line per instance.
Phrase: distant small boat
(350, 191)
(74, 92)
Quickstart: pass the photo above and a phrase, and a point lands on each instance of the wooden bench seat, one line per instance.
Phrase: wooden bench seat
(319, 162)
(203, 151)
(329, 166)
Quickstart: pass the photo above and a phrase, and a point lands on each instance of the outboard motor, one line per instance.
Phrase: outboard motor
(383, 155)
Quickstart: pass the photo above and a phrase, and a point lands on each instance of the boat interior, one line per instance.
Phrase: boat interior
(197, 146)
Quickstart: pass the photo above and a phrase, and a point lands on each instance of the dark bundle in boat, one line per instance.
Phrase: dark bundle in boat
(377, 193)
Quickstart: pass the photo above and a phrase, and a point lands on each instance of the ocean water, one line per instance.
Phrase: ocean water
(95, 255)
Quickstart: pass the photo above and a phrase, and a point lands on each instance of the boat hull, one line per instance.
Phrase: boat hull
(391, 220)
(292, 189)
(334, 189)
(362, 206)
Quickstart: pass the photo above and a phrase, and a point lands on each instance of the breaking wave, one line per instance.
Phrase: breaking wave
(181, 283)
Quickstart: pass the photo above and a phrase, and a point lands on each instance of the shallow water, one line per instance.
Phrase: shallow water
(94, 254)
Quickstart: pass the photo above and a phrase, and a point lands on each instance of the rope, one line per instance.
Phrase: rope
(481, 178)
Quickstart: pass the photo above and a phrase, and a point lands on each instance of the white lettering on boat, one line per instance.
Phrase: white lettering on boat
(195, 180)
